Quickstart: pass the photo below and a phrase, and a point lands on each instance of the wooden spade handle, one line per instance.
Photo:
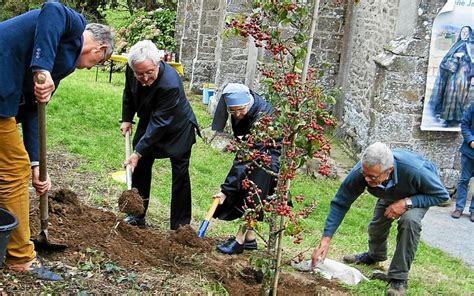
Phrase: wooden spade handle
(40, 79)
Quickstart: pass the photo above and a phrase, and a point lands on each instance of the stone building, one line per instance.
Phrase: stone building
(375, 51)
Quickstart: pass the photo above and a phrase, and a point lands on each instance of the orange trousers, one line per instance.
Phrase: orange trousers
(14, 195)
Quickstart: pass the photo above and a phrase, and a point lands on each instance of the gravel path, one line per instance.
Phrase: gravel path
(454, 236)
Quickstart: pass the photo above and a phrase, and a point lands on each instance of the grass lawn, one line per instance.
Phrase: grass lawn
(83, 119)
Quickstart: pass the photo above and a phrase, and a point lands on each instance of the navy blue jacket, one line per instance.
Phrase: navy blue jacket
(167, 122)
(413, 177)
(49, 38)
(467, 131)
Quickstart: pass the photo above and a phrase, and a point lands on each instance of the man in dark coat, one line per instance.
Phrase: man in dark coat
(54, 41)
(166, 129)
(245, 108)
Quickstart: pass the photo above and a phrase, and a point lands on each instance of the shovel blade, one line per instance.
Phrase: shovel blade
(42, 243)
(119, 176)
(202, 229)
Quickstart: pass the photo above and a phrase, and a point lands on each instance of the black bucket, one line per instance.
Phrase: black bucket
(8, 222)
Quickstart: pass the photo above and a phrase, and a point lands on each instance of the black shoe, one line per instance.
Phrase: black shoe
(250, 244)
(230, 246)
(363, 258)
(397, 288)
(135, 221)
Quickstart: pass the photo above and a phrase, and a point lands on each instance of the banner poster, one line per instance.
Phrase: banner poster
(450, 78)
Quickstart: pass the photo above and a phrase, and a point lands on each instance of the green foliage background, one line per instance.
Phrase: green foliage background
(11, 8)
(157, 26)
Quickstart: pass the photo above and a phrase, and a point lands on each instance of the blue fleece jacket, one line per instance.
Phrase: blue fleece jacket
(413, 177)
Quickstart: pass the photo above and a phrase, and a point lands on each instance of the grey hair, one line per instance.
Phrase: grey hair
(103, 35)
(143, 51)
(377, 153)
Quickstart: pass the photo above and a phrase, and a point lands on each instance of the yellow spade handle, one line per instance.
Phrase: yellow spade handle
(212, 209)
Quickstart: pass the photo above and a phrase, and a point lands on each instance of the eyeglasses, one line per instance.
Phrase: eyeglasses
(238, 110)
(373, 178)
(148, 74)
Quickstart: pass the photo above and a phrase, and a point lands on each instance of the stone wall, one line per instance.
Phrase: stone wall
(383, 90)
(186, 33)
(207, 57)
(376, 52)
(327, 45)
(370, 27)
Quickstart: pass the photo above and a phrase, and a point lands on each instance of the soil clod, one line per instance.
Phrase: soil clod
(131, 203)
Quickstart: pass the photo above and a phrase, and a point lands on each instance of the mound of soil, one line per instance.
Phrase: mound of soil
(180, 252)
(130, 202)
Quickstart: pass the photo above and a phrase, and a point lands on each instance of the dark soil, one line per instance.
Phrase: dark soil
(105, 255)
(130, 202)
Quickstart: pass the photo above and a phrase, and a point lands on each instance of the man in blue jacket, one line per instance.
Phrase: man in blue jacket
(54, 41)
(467, 164)
(406, 185)
(166, 129)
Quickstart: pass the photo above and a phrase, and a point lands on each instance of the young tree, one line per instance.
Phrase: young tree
(298, 125)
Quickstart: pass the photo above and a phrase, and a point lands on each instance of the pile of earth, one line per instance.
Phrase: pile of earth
(106, 256)
(178, 252)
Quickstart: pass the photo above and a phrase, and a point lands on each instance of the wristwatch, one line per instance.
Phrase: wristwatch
(138, 154)
(408, 203)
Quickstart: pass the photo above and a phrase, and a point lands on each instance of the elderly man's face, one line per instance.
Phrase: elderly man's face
(374, 176)
(146, 72)
(93, 52)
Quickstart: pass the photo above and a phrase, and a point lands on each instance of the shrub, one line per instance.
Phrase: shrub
(156, 25)
(11, 8)
(299, 126)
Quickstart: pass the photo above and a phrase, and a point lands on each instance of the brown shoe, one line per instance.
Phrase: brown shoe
(456, 214)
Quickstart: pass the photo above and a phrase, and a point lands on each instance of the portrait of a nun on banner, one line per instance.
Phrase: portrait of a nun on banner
(450, 78)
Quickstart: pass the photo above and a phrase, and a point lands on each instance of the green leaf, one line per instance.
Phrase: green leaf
(225, 34)
(300, 37)
(229, 18)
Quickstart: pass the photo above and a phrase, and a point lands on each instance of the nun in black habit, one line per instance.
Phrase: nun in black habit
(245, 108)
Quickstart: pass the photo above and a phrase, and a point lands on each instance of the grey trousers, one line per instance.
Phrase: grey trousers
(409, 230)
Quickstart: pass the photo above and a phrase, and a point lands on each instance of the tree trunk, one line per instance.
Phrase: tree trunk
(270, 283)
(278, 257)
(267, 282)
(130, 6)
(314, 21)
(149, 5)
